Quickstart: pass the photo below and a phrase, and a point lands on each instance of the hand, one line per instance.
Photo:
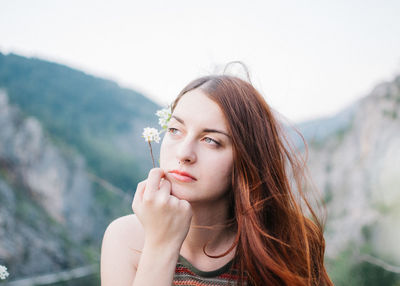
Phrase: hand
(165, 218)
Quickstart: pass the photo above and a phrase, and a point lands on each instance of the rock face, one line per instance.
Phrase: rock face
(45, 196)
(357, 167)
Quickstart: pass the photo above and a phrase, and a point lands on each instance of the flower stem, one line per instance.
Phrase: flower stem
(151, 153)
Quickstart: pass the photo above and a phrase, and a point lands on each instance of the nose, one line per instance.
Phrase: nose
(186, 153)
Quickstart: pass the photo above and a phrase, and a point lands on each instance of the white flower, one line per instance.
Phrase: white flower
(151, 134)
(164, 115)
(3, 272)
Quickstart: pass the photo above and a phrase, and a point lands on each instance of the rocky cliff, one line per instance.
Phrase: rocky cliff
(70, 155)
(357, 167)
(46, 199)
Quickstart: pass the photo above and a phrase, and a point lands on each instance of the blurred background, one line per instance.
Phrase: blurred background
(79, 80)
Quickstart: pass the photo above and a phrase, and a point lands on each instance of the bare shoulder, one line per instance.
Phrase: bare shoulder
(126, 231)
(122, 245)
(127, 228)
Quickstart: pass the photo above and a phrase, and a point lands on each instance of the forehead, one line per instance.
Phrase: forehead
(195, 107)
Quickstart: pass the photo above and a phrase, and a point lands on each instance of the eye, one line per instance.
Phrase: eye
(211, 141)
(172, 130)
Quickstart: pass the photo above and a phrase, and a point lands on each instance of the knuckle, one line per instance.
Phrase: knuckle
(155, 171)
(160, 200)
(148, 199)
(141, 184)
(185, 205)
(165, 187)
(173, 201)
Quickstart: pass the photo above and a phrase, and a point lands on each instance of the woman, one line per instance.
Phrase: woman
(223, 208)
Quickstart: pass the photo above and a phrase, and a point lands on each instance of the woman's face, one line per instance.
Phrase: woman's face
(196, 152)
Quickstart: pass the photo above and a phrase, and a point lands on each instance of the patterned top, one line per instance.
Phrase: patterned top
(186, 274)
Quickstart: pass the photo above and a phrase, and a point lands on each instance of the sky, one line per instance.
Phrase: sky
(308, 58)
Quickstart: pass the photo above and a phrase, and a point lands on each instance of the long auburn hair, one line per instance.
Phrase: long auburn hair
(276, 242)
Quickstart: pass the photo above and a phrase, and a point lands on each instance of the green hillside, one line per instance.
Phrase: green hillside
(85, 113)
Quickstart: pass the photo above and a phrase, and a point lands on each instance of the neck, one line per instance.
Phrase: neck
(209, 226)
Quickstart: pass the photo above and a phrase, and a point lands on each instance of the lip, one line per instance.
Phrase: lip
(182, 176)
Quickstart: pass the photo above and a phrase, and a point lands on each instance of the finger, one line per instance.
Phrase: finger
(165, 187)
(173, 201)
(139, 191)
(153, 181)
(163, 194)
(185, 206)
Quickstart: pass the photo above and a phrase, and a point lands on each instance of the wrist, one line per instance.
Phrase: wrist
(164, 254)
(158, 260)
(162, 244)
(167, 247)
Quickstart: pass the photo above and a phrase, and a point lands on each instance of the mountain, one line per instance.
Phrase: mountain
(354, 159)
(71, 153)
(91, 115)
(46, 199)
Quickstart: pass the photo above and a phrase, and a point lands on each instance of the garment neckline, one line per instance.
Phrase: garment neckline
(201, 273)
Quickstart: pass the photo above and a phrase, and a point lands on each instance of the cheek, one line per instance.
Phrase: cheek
(167, 151)
(163, 154)
(221, 171)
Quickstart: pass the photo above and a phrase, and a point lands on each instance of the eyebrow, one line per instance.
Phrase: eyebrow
(207, 130)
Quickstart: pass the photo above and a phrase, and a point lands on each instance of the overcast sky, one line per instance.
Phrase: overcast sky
(308, 58)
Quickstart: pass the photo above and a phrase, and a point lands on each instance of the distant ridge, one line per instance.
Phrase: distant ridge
(94, 116)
